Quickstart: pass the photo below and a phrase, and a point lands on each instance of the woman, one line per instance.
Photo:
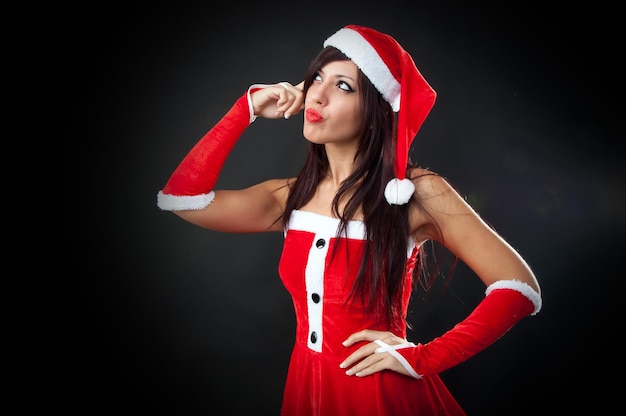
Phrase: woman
(355, 221)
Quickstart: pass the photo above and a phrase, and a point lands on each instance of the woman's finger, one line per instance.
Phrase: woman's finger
(291, 99)
(360, 354)
(365, 335)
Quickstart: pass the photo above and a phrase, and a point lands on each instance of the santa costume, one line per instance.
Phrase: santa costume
(319, 283)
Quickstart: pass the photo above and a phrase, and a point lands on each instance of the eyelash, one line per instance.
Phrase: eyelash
(344, 86)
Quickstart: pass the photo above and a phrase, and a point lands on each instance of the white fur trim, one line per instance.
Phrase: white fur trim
(324, 228)
(399, 191)
(318, 223)
(519, 286)
(314, 282)
(363, 54)
(322, 224)
(184, 202)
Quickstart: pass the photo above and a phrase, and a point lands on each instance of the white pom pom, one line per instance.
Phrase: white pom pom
(398, 192)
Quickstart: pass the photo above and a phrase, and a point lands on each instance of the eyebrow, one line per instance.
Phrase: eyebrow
(340, 76)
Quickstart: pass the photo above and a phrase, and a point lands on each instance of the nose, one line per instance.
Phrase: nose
(318, 93)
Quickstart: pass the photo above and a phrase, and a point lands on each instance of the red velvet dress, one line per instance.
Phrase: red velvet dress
(319, 287)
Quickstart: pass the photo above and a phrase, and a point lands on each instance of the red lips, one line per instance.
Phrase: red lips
(313, 115)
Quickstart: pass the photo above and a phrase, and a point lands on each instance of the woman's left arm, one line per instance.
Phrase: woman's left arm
(512, 293)
(470, 238)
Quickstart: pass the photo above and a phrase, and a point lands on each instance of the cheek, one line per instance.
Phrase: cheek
(352, 121)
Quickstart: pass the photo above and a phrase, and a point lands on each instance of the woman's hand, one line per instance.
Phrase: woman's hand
(278, 100)
(366, 361)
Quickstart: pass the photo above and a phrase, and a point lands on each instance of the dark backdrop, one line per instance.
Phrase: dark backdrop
(167, 318)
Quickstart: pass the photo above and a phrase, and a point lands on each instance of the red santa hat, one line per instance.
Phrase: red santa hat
(394, 74)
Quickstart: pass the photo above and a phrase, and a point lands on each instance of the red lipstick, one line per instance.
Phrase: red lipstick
(313, 115)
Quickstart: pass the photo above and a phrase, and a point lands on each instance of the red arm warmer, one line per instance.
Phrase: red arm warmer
(506, 303)
(191, 184)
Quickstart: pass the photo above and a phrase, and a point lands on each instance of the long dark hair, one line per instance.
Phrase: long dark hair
(380, 282)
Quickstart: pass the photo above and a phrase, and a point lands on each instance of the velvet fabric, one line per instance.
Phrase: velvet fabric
(319, 285)
(493, 317)
(198, 171)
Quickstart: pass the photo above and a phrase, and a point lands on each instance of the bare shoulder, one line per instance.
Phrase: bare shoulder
(429, 184)
(278, 185)
(437, 203)
(279, 188)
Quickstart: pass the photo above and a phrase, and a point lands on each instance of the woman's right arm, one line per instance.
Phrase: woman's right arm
(189, 191)
(251, 210)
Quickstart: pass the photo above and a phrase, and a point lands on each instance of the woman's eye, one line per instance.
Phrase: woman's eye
(344, 86)
(318, 77)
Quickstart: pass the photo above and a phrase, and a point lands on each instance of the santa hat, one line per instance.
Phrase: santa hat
(394, 74)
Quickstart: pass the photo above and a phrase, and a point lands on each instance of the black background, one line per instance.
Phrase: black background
(167, 318)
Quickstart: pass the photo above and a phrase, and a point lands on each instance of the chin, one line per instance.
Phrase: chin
(312, 135)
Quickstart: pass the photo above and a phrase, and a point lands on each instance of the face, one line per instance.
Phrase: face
(332, 106)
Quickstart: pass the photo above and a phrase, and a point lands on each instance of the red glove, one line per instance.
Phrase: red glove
(506, 302)
(191, 184)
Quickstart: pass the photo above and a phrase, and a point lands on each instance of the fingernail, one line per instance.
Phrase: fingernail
(349, 372)
(287, 115)
(342, 365)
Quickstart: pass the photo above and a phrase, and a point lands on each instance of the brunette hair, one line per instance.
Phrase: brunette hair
(380, 282)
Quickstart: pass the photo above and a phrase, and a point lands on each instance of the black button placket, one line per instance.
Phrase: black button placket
(314, 276)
